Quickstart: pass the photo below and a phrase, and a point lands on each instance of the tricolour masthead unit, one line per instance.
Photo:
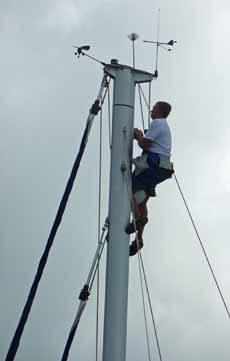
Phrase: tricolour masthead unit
(116, 298)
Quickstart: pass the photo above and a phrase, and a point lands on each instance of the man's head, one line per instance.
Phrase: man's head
(160, 110)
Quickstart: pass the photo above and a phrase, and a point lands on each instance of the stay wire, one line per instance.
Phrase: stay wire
(149, 105)
(99, 227)
(141, 280)
(97, 310)
(141, 106)
(99, 258)
(157, 44)
(151, 309)
(140, 259)
(95, 272)
(144, 97)
(107, 83)
(58, 218)
(143, 301)
(202, 247)
(146, 283)
(82, 305)
(109, 117)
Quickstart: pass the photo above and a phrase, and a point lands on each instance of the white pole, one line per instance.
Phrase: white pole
(116, 300)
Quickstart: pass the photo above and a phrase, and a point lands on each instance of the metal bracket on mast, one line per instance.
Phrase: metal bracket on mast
(139, 76)
(84, 294)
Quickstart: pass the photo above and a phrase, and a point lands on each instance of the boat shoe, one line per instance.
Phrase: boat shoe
(135, 247)
(136, 226)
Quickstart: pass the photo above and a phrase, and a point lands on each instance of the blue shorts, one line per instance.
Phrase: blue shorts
(150, 177)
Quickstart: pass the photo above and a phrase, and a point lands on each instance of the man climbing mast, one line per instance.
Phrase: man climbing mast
(151, 168)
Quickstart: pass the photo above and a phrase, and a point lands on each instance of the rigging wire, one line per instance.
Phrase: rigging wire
(109, 118)
(143, 302)
(140, 260)
(107, 83)
(97, 311)
(25, 314)
(149, 105)
(89, 285)
(157, 44)
(144, 97)
(146, 284)
(95, 272)
(130, 198)
(141, 106)
(202, 247)
(99, 227)
(151, 309)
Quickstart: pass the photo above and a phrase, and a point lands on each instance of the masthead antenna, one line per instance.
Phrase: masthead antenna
(157, 44)
(133, 37)
(166, 46)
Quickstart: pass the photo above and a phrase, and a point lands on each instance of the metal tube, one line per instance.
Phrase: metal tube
(115, 322)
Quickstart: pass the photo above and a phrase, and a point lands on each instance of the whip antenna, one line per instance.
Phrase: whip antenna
(166, 46)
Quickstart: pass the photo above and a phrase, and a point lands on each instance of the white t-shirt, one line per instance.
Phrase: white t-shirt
(160, 134)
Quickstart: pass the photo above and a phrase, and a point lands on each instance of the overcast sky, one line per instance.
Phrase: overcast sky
(45, 95)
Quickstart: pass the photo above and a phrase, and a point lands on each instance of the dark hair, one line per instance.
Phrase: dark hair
(165, 108)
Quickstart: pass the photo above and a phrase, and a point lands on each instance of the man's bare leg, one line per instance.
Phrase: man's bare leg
(143, 207)
(136, 210)
(140, 216)
(143, 214)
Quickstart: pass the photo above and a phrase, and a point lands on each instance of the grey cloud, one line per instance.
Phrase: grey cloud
(45, 96)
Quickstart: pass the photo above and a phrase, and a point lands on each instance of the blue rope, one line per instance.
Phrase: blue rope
(25, 314)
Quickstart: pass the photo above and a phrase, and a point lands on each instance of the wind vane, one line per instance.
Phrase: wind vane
(81, 50)
(163, 45)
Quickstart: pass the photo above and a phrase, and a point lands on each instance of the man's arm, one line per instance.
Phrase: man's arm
(143, 142)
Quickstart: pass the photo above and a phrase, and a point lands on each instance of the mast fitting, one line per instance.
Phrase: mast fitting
(123, 167)
(84, 294)
(95, 107)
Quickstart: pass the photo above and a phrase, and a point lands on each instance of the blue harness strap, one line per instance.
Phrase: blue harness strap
(153, 159)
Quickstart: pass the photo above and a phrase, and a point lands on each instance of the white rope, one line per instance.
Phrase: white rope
(151, 310)
(143, 302)
(141, 263)
(141, 106)
(141, 280)
(144, 97)
(149, 105)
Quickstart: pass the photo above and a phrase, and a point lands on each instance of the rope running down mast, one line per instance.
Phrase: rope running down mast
(25, 314)
(203, 249)
(85, 292)
(198, 235)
